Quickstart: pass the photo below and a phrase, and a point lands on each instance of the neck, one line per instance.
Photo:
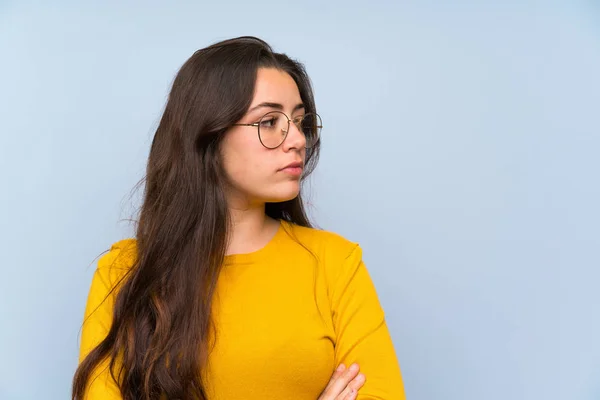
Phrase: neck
(250, 230)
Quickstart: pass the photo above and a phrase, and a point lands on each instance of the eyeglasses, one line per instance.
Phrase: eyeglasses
(274, 127)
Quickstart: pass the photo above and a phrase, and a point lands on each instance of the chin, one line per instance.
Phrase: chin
(286, 192)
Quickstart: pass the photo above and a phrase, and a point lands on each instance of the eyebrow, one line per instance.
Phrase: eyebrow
(277, 106)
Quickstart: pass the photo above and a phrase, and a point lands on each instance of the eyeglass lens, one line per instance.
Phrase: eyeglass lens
(274, 127)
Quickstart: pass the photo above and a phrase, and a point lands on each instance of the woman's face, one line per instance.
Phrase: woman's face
(257, 174)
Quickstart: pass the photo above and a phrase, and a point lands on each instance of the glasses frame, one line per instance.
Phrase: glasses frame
(257, 125)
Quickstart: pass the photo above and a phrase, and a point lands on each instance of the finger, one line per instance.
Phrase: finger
(351, 372)
(341, 382)
(348, 394)
(357, 382)
(351, 391)
(336, 374)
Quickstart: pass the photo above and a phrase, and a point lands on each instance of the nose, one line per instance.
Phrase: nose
(295, 138)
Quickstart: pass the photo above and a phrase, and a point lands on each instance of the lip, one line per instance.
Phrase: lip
(294, 168)
(296, 164)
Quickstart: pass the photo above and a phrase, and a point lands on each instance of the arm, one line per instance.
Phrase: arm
(362, 335)
(98, 320)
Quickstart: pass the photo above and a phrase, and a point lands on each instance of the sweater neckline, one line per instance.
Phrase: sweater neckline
(260, 254)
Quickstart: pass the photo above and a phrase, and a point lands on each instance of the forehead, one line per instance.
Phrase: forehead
(276, 86)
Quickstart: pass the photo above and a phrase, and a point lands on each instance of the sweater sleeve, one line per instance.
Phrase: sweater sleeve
(362, 335)
(111, 269)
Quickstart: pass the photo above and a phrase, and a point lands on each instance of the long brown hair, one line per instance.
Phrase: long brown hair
(161, 318)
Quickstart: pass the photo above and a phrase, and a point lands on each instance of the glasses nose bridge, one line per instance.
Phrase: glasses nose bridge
(292, 120)
(287, 131)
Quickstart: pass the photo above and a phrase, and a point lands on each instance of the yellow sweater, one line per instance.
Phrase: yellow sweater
(284, 320)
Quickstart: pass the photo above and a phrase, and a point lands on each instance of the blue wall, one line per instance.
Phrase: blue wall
(461, 149)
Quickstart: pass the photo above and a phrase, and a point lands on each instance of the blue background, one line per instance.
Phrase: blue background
(461, 149)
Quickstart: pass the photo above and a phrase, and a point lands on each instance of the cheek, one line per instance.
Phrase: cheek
(244, 158)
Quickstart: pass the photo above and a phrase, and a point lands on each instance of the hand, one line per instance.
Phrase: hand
(344, 384)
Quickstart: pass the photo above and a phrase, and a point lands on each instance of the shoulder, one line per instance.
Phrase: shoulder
(323, 241)
(114, 264)
(335, 252)
(111, 271)
(122, 254)
(340, 260)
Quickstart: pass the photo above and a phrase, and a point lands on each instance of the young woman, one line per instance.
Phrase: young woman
(227, 292)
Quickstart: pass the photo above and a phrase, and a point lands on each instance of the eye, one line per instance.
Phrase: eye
(268, 122)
